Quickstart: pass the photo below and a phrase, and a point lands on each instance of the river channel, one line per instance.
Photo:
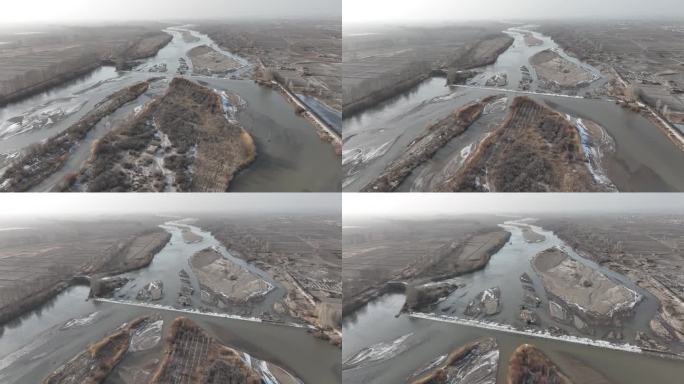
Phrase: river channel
(35, 344)
(385, 348)
(291, 156)
(644, 159)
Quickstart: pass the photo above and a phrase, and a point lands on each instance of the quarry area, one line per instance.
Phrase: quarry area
(563, 99)
(641, 58)
(302, 254)
(37, 61)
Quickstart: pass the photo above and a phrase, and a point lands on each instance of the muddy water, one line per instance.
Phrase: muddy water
(428, 340)
(644, 158)
(377, 136)
(403, 345)
(175, 256)
(34, 345)
(504, 270)
(520, 54)
(291, 156)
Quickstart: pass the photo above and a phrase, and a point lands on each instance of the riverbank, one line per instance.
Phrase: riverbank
(39, 162)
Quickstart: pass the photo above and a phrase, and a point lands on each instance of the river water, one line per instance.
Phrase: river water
(397, 347)
(291, 156)
(644, 159)
(34, 345)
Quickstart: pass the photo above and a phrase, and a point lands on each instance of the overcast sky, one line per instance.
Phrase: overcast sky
(48, 204)
(454, 10)
(436, 204)
(22, 11)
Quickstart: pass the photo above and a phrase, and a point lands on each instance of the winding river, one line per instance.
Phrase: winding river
(35, 344)
(388, 349)
(291, 156)
(644, 159)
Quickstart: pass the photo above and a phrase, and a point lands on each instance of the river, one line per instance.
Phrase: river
(644, 159)
(35, 344)
(403, 345)
(290, 155)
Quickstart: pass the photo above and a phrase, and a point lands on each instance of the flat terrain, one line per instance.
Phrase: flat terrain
(226, 280)
(51, 254)
(593, 294)
(207, 61)
(535, 149)
(302, 253)
(303, 55)
(380, 62)
(646, 249)
(557, 72)
(34, 61)
(376, 253)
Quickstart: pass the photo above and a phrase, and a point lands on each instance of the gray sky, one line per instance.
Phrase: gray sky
(22, 11)
(63, 204)
(454, 10)
(435, 204)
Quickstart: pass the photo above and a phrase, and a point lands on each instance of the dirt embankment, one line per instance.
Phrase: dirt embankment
(179, 142)
(46, 84)
(535, 150)
(474, 363)
(581, 290)
(529, 365)
(424, 147)
(484, 52)
(207, 61)
(194, 357)
(73, 53)
(225, 280)
(136, 253)
(557, 72)
(465, 257)
(380, 95)
(41, 160)
(93, 365)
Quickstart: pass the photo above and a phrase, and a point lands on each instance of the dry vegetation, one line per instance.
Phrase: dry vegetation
(647, 55)
(535, 150)
(93, 365)
(303, 55)
(425, 146)
(181, 141)
(302, 254)
(41, 160)
(34, 62)
(52, 256)
(403, 251)
(529, 365)
(192, 356)
(380, 62)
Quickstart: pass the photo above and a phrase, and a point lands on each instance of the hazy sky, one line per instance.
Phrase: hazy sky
(48, 204)
(434, 204)
(453, 10)
(94, 10)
